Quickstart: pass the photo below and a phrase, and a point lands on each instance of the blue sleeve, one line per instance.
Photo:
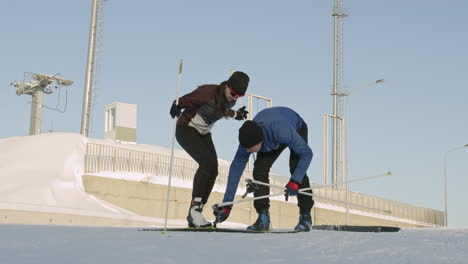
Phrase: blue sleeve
(235, 173)
(299, 146)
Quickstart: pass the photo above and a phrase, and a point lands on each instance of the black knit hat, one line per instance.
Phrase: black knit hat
(250, 134)
(239, 82)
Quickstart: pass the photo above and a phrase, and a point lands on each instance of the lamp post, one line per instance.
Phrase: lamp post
(346, 115)
(445, 180)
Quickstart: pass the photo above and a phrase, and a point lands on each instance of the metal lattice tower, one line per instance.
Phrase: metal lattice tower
(338, 140)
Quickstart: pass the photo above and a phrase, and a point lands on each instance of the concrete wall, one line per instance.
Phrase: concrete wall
(47, 218)
(148, 199)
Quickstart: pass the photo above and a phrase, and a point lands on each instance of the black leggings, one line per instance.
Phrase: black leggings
(261, 172)
(201, 149)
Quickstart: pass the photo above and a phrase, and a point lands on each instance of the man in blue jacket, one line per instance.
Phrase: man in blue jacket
(270, 132)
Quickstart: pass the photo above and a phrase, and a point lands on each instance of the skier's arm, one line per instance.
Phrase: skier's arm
(231, 113)
(299, 146)
(197, 97)
(235, 172)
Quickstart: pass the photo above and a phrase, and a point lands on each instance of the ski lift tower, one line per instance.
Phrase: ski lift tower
(36, 84)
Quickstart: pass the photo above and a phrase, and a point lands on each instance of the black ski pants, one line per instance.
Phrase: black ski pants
(201, 149)
(261, 172)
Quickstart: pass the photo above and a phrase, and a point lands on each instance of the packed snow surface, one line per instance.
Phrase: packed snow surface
(58, 244)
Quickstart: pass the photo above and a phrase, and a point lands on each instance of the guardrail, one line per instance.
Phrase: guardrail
(101, 158)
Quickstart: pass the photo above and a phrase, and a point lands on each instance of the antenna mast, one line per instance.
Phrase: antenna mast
(337, 156)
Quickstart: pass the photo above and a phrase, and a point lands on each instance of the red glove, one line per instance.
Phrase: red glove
(292, 189)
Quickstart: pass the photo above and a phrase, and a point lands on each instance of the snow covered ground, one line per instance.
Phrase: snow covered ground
(58, 244)
(43, 173)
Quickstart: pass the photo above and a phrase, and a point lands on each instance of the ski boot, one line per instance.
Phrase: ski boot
(263, 222)
(305, 223)
(195, 217)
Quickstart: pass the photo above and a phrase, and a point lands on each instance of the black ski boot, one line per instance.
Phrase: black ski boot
(262, 223)
(195, 217)
(305, 223)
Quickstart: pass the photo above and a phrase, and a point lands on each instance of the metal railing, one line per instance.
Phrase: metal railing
(102, 158)
(375, 205)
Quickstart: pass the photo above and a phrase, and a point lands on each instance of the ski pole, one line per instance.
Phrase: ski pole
(389, 173)
(215, 206)
(247, 200)
(343, 202)
(276, 186)
(179, 78)
(303, 191)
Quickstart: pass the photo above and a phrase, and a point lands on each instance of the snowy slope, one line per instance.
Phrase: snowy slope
(57, 244)
(43, 173)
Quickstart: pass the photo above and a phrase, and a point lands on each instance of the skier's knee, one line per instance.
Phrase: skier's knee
(210, 166)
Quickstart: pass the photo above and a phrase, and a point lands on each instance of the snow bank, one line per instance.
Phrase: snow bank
(43, 173)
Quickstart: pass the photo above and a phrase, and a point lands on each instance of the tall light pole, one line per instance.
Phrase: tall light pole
(338, 15)
(88, 89)
(347, 121)
(347, 143)
(445, 179)
(346, 117)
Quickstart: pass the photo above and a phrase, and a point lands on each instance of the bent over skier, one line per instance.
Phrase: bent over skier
(202, 108)
(270, 132)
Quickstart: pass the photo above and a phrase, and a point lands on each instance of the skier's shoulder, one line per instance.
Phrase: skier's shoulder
(205, 90)
(202, 93)
(276, 112)
(207, 87)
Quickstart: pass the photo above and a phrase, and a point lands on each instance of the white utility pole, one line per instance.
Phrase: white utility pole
(88, 90)
(445, 181)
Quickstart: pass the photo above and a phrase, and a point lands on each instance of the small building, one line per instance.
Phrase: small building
(120, 122)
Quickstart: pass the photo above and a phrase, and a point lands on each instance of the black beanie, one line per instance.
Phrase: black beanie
(250, 134)
(239, 82)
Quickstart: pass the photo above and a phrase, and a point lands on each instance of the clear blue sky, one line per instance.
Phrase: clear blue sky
(403, 126)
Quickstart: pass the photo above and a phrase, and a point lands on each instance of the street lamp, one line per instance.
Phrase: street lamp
(347, 122)
(346, 136)
(346, 117)
(445, 179)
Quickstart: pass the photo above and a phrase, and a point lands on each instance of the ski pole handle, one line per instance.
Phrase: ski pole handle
(180, 66)
(179, 78)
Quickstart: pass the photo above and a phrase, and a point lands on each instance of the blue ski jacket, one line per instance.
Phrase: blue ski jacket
(280, 126)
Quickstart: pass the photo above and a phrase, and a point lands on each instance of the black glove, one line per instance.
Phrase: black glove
(175, 110)
(241, 114)
(292, 189)
(221, 212)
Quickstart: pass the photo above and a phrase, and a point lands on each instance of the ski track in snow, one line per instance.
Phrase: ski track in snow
(61, 244)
